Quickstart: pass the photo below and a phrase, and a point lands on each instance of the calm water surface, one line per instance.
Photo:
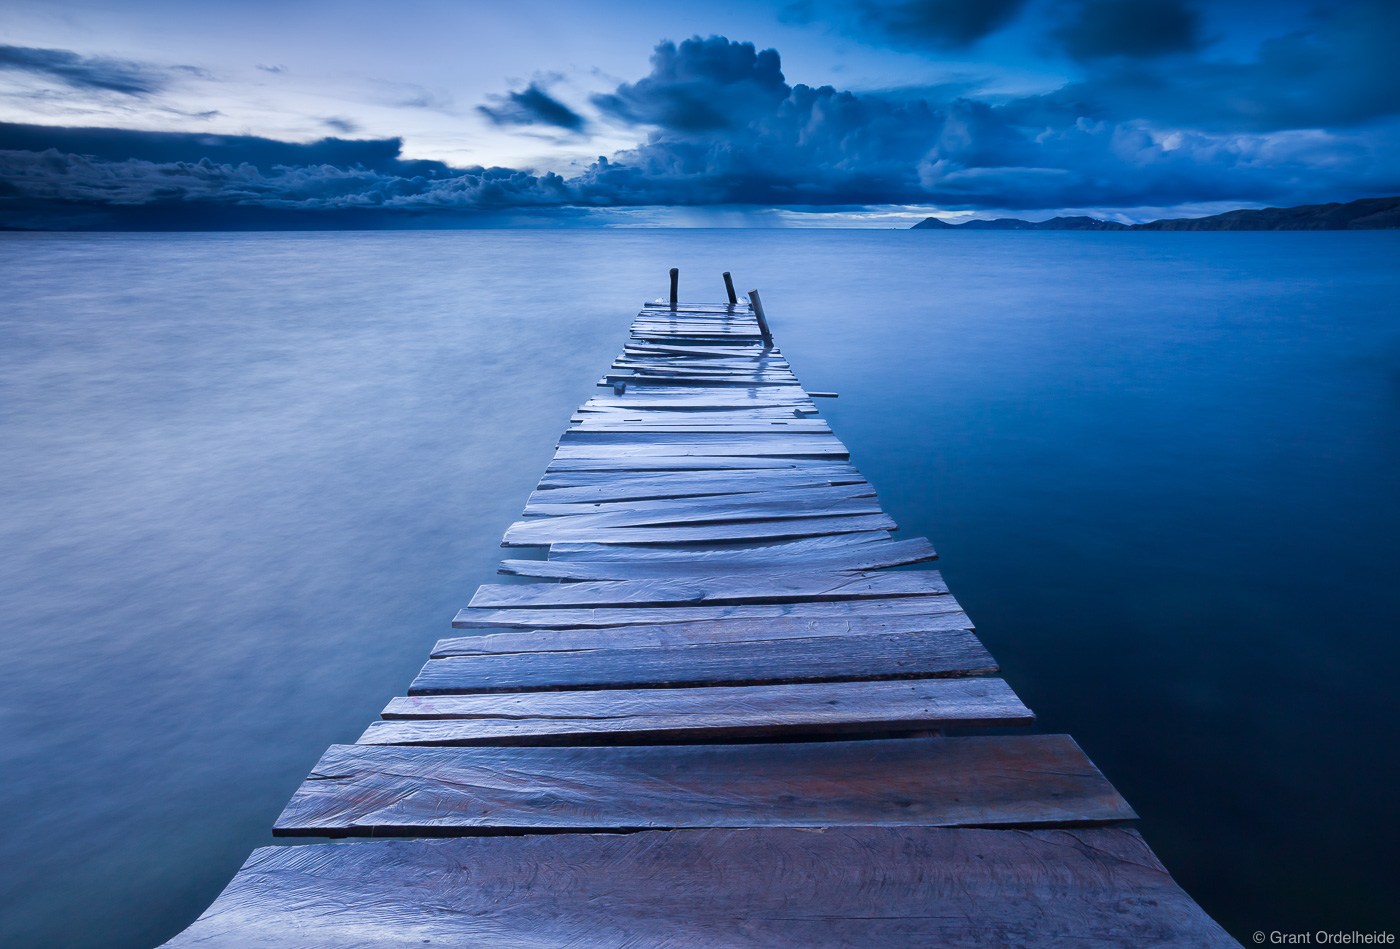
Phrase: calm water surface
(246, 481)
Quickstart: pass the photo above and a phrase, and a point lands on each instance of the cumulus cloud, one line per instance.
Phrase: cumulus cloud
(532, 106)
(84, 72)
(1096, 29)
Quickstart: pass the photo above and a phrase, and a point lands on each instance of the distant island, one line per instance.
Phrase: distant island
(1366, 214)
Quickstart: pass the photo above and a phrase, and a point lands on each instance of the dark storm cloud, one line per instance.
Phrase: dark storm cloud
(84, 72)
(911, 24)
(533, 106)
(1096, 29)
(1340, 73)
(701, 86)
(721, 126)
(942, 24)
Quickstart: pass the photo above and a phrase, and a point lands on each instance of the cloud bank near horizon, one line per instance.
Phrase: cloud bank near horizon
(1315, 117)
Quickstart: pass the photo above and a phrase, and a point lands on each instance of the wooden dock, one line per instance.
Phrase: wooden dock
(719, 722)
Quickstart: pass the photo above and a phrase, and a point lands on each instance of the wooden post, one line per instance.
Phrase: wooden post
(675, 285)
(757, 305)
(729, 285)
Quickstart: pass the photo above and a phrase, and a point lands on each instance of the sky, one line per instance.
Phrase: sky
(245, 113)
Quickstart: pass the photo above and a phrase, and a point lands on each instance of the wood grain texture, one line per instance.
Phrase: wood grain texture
(530, 536)
(760, 549)
(674, 488)
(780, 588)
(387, 790)
(680, 446)
(722, 481)
(720, 713)
(819, 659)
(646, 616)
(681, 634)
(783, 501)
(892, 554)
(753, 888)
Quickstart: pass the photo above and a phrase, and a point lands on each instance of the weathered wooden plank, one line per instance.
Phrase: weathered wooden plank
(893, 554)
(759, 443)
(746, 380)
(642, 448)
(623, 489)
(922, 655)
(760, 549)
(789, 426)
(756, 888)
(682, 634)
(809, 586)
(786, 498)
(385, 790)
(520, 535)
(538, 531)
(682, 463)
(723, 478)
(646, 616)
(651, 716)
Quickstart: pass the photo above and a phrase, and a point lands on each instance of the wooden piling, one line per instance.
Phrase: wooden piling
(763, 329)
(675, 286)
(729, 288)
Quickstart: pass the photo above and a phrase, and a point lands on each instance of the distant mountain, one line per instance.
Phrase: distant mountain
(1365, 214)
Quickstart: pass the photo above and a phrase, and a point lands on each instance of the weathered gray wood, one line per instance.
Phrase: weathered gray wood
(761, 549)
(746, 380)
(538, 531)
(759, 888)
(665, 489)
(682, 634)
(922, 655)
(725, 479)
(790, 426)
(787, 499)
(646, 616)
(893, 554)
(643, 448)
(810, 586)
(681, 463)
(385, 790)
(649, 716)
(521, 535)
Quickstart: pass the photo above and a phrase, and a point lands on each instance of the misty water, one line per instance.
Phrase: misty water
(247, 480)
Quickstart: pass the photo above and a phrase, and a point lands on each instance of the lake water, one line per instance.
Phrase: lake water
(248, 479)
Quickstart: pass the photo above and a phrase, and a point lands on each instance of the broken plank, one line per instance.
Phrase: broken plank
(808, 586)
(639, 616)
(805, 496)
(759, 549)
(383, 790)
(651, 716)
(523, 535)
(893, 554)
(921, 655)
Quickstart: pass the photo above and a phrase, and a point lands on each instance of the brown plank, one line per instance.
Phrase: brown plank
(809, 587)
(386, 790)
(756, 888)
(522, 535)
(922, 655)
(892, 554)
(721, 713)
(704, 631)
